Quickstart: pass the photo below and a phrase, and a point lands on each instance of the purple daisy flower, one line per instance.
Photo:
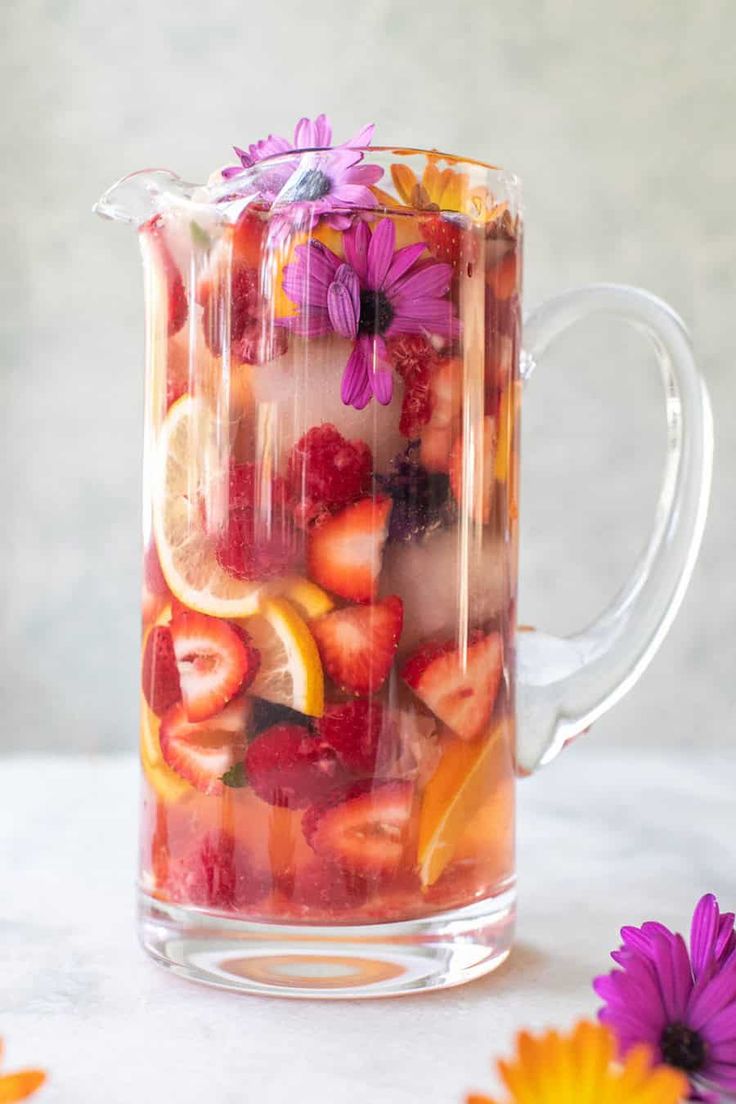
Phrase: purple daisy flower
(322, 182)
(376, 292)
(683, 1004)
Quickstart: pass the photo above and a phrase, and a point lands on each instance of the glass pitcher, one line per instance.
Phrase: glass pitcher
(335, 702)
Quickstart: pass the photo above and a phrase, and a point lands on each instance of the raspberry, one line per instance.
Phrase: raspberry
(327, 472)
(215, 873)
(413, 358)
(354, 729)
(325, 888)
(253, 337)
(286, 765)
(258, 540)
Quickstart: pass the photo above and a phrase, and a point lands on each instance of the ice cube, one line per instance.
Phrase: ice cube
(427, 576)
(305, 384)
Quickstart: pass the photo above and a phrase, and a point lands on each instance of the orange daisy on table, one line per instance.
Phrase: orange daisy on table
(581, 1068)
(20, 1085)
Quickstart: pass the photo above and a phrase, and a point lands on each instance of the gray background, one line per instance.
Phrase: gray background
(619, 119)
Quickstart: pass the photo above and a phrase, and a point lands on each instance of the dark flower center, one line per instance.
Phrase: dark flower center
(376, 312)
(313, 184)
(683, 1048)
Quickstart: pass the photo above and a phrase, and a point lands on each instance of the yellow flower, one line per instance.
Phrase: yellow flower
(19, 1086)
(580, 1068)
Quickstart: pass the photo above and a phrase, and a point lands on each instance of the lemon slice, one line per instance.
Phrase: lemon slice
(291, 671)
(190, 473)
(466, 777)
(309, 599)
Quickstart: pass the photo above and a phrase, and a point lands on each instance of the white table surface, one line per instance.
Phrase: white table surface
(604, 840)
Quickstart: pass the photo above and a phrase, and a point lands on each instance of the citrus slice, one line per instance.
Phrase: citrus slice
(464, 780)
(190, 469)
(291, 671)
(309, 600)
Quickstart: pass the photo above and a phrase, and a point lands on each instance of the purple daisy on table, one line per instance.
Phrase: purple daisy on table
(321, 181)
(376, 292)
(682, 1003)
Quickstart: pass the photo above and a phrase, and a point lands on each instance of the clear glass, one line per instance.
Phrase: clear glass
(328, 720)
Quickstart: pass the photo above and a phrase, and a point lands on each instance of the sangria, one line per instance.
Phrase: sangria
(330, 546)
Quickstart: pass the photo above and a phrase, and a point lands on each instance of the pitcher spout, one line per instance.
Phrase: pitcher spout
(141, 195)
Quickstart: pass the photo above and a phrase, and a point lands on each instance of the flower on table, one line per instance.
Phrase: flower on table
(581, 1067)
(376, 292)
(680, 1002)
(320, 181)
(20, 1085)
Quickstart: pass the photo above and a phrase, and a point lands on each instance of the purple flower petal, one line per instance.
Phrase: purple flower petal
(726, 939)
(402, 261)
(353, 195)
(355, 377)
(363, 136)
(434, 315)
(349, 277)
(427, 281)
(380, 252)
(317, 262)
(364, 174)
(703, 933)
(724, 1075)
(355, 243)
(341, 305)
(674, 976)
(713, 998)
(722, 1028)
(309, 323)
(305, 134)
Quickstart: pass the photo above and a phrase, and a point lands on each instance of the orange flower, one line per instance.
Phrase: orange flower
(444, 190)
(19, 1086)
(581, 1068)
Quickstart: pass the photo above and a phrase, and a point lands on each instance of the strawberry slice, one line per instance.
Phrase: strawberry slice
(175, 293)
(344, 551)
(215, 660)
(364, 828)
(160, 675)
(202, 753)
(357, 645)
(444, 236)
(462, 694)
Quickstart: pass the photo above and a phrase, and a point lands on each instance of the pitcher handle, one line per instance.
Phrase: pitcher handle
(566, 683)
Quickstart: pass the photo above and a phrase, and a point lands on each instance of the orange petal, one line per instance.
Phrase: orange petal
(18, 1086)
(405, 181)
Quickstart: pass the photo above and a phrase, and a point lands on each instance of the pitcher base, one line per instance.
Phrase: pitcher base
(308, 961)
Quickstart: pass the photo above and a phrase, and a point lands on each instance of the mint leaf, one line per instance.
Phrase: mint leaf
(236, 777)
(200, 237)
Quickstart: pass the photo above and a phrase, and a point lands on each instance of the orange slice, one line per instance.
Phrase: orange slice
(168, 785)
(464, 781)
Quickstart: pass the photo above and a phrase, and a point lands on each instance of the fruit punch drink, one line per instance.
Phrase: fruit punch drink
(327, 698)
